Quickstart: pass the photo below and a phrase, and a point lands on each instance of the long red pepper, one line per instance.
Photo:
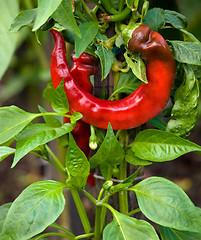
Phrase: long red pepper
(83, 67)
(144, 103)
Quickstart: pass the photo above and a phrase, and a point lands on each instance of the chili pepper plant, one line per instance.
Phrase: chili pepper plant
(156, 81)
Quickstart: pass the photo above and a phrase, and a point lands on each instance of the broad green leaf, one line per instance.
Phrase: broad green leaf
(110, 151)
(127, 83)
(25, 18)
(177, 20)
(3, 213)
(165, 203)
(5, 152)
(187, 52)
(159, 146)
(173, 234)
(39, 205)
(137, 66)
(8, 10)
(126, 228)
(77, 164)
(45, 9)
(134, 160)
(36, 135)
(155, 18)
(12, 121)
(186, 107)
(64, 16)
(88, 31)
(106, 58)
(59, 99)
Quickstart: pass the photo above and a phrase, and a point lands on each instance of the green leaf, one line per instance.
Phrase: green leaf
(8, 10)
(165, 203)
(77, 164)
(137, 66)
(176, 19)
(64, 16)
(88, 32)
(127, 83)
(59, 99)
(110, 151)
(36, 135)
(5, 152)
(155, 18)
(187, 52)
(159, 146)
(39, 205)
(3, 213)
(106, 58)
(132, 159)
(125, 228)
(45, 9)
(186, 106)
(173, 234)
(25, 18)
(12, 121)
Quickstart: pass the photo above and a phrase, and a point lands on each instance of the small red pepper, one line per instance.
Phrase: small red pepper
(144, 103)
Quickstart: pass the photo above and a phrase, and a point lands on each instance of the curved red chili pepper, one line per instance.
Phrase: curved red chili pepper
(145, 102)
(83, 67)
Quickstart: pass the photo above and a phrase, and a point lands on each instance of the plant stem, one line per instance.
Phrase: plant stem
(61, 170)
(84, 236)
(123, 196)
(87, 10)
(97, 231)
(89, 196)
(55, 158)
(57, 226)
(133, 212)
(121, 4)
(54, 234)
(81, 210)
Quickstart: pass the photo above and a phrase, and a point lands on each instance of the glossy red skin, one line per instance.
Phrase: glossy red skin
(83, 67)
(145, 102)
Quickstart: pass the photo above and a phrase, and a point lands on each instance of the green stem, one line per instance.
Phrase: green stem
(57, 226)
(89, 196)
(104, 209)
(81, 211)
(121, 5)
(55, 158)
(61, 170)
(88, 11)
(97, 231)
(133, 212)
(100, 194)
(84, 236)
(123, 195)
(54, 234)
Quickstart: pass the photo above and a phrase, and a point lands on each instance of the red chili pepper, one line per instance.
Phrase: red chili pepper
(144, 103)
(83, 67)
